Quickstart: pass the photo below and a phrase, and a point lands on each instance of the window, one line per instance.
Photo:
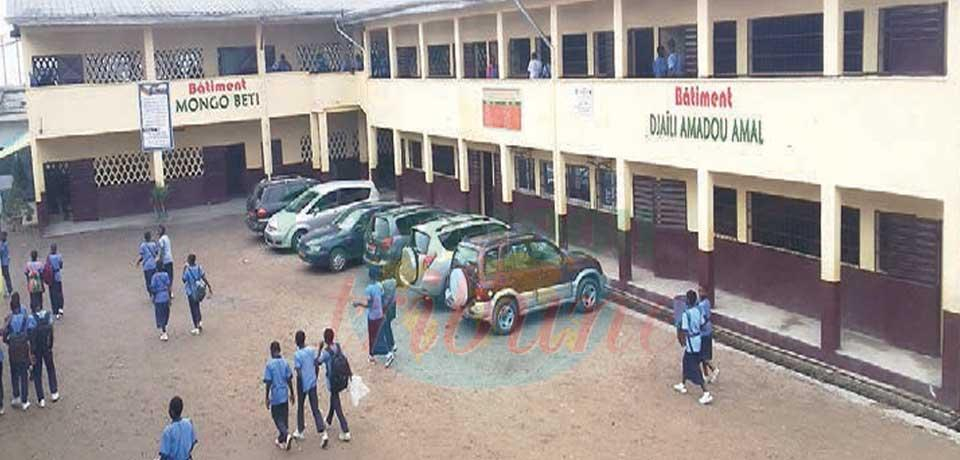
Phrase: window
(853, 42)
(641, 52)
(480, 60)
(241, 60)
(909, 247)
(519, 57)
(912, 40)
(352, 195)
(543, 51)
(421, 241)
(684, 39)
(450, 240)
(603, 54)
(326, 202)
(578, 183)
(379, 54)
(574, 55)
(786, 44)
(544, 253)
(606, 188)
(439, 56)
(546, 178)
(850, 236)
(725, 211)
(301, 202)
(671, 203)
(785, 223)
(407, 62)
(415, 154)
(725, 48)
(526, 174)
(516, 257)
(491, 262)
(61, 69)
(444, 160)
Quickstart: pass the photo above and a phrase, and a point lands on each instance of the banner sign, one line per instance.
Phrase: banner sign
(583, 100)
(706, 127)
(501, 109)
(156, 121)
(213, 95)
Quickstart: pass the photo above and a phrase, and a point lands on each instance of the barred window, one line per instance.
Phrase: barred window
(574, 55)
(113, 67)
(179, 63)
(603, 51)
(578, 183)
(60, 69)
(913, 40)
(379, 54)
(606, 188)
(122, 169)
(725, 211)
(306, 149)
(440, 60)
(444, 160)
(183, 163)
(519, 57)
(475, 60)
(787, 44)
(853, 41)
(326, 57)
(850, 236)
(414, 152)
(785, 223)
(546, 178)
(407, 62)
(343, 144)
(526, 173)
(725, 48)
(909, 247)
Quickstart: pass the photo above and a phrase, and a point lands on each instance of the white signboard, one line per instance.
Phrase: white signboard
(583, 100)
(156, 121)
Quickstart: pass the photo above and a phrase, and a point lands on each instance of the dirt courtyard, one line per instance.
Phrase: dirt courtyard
(565, 386)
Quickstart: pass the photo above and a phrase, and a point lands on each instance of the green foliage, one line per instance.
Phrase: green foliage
(159, 199)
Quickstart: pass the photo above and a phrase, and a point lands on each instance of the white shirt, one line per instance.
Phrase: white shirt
(164, 243)
(535, 68)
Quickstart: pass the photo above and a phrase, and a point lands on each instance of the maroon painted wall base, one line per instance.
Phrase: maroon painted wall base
(509, 208)
(831, 313)
(705, 271)
(399, 185)
(951, 359)
(625, 253)
(466, 202)
(432, 193)
(562, 230)
(42, 217)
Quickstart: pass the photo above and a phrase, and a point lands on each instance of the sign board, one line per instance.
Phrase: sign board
(156, 121)
(706, 114)
(502, 108)
(583, 100)
(217, 95)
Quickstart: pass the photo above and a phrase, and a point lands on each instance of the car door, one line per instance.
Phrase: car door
(319, 212)
(517, 265)
(347, 196)
(354, 241)
(548, 260)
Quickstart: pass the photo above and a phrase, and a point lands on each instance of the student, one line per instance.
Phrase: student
(165, 253)
(282, 65)
(148, 259)
(305, 362)
(660, 63)
(535, 67)
(1, 381)
(41, 344)
(706, 333)
(374, 303)
(5, 263)
(674, 60)
(690, 340)
(390, 314)
(34, 274)
(330, 350)
(195, 284)
(279, 378)
(16, 334)
(55, 260)
(179, 437)
(160, 288)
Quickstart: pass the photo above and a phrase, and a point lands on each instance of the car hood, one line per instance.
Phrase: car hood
(322, 232)
(283, 220)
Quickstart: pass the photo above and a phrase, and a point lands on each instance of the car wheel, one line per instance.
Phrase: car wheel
(295, 239)
(338, 260)
(505, 315)
(588, 295)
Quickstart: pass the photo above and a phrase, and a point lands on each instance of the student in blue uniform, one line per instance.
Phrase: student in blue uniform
(5, 264)
(179, 437)
(160, 289)
(41, 344)
(34, 273)
(56, 287)
(710, 371)
(148, 251)
(193, 275)
(19, 326)
(690, 326)
(331, 349)
(279, 379)
(305, 362)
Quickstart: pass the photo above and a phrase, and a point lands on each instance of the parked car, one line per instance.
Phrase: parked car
(272, 195)
(500, 277)
(335, 245)
(425, 264)
(315, 207)
(390, 231)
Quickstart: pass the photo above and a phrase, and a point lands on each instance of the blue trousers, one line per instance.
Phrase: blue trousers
(162, 312)
(19, 380)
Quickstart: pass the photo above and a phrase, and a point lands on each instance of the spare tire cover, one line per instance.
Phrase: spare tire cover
(457, 289)
(408, 266)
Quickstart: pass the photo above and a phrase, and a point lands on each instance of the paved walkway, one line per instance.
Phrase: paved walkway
(234, 207)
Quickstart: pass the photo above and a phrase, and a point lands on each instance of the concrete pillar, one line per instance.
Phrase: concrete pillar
(424, 57)
(950, 345)
(624, 219)
(363, 141)
(871, 39)
(556, 58)
(323, 135)
(705, 233)
(832, 38)
(591, 65)
(392, 52)
(39, 182)
(743, 47)
(742, 223)
(315, 145)
(367, 60)
(428, 167)
(868, 238)
(502, 67)
(560, 195)
(398, 163)
(507, 179)
(149, 55)
(373, 149)
(830, 319)
(704, 41)
(266, 146)
(619, 41)
(261, 55)
(457, 54)
(159, 179)
(463, 172)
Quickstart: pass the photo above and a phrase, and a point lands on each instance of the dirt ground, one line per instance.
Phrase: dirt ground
(557, 395)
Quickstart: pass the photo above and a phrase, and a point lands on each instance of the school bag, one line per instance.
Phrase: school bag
(199, 286)
(47, 273)
(18, 343)
(34, 281)
(340, 372)
(43, 333)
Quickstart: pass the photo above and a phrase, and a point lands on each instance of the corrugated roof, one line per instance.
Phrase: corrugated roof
(115, 12)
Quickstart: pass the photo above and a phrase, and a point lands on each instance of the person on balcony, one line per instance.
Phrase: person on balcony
(282, 65)
(674, 61)
(660, 63)
(535, 67)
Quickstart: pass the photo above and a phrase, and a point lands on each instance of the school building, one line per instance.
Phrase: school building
(801, 160)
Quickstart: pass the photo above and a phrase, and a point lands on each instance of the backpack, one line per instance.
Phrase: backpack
(43, 333)
(47, 273)
(199, 286)
(34, 282)
(18, 343)
(340, 372)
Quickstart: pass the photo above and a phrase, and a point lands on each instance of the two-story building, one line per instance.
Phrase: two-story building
(797, 158)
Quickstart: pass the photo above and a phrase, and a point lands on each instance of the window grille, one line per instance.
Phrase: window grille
(853, 41)
(574, 55)
(325, 57)
(407, 62)
(183, 163)
(113, 67)
(578, 183)
(725, 48)
(179, 63)
(344, 145)
(546, 178)
(787, 44)
(603, 51)
(525, 172)
(61, 69)
(909, 247)
(440, 59)
(379, 55)
(725, 211)
(306, 149)
(122, 169)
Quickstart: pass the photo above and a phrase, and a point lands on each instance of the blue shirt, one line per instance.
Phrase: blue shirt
(21, 323)
(705, 307)
(660, 67)
(178, 440)
(191, 275)
(4, 254)
(56, 263)
(148, 253)
(305, 361)
(160, 287)
(374, 293)
(674, 65)
(679, 305)
(275, 375)
(326, 359)
(690, 322)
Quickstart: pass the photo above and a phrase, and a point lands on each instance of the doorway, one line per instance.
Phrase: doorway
(56, 176)
(236, 168)
(489, 188)
(641, 52)
(384, 176)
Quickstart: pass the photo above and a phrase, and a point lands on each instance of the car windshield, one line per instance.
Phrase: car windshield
(465, 255)
(301, 202)
(273, 194)
(381, 228)
(421, 241)
(348, 219)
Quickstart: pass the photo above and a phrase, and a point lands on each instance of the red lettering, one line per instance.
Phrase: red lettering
(230, 86)
(586, 328)
(243, 84)
(729, 97)
(679, 95)
(513, 344)
(418, 345)
(191, 88)
(713, 99)
(613, 333)
(546, 333)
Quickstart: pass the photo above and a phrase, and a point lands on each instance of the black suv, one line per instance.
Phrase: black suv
(390, 231)
(272, 195)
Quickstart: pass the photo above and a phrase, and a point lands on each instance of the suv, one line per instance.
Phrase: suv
(390, 231)
(270, 196)
(425, 264)
(315, 207)
(499, 277)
